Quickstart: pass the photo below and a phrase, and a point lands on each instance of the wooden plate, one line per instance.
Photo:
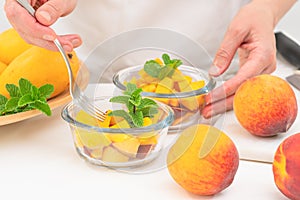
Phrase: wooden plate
(59, 100)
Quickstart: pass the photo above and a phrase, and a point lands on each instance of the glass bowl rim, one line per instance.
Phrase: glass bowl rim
(204, 90)
(166, 122)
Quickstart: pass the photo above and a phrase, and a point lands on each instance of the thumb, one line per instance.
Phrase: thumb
(51, 10)
(225, 53)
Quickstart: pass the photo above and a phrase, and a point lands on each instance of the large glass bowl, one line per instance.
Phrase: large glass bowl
(186, 105)
(116, 147)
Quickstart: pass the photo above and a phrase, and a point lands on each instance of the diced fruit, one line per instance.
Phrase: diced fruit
(149, 88)
(85, 118)
(196, 85)
(97, 153)
(144, 150)
(188, 78)
(114, 120)
(92, 139)
(159, 61)
(118, 137)
(128, 147)
(178, 76)
(147, 121)
(121, 124)
(106, 122)
(190, 103)
(165, 86)
(148, 138)
(110, 154)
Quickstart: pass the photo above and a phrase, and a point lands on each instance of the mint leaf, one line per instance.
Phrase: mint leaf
(24, 100)
(25, 86)
(42, 106)
(137, 118)
(137, 107)
(152, 68)
(46, 90)
(122, 113)
(175, 63)
(146, 102)
(165, 71)
(136, 98)
(130, 87)
(3, 100)
(149, 111)
(166, 58)
(34, 92)
(13, 90)
(12, 104)
(120, 99)
(25, 97)
(136, 92)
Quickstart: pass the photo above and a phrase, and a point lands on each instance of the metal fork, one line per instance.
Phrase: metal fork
(78, 96)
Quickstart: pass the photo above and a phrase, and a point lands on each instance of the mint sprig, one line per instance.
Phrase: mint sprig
(137, 107)
(26, 97)
(155, 70)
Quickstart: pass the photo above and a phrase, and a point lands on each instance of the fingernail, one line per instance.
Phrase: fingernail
(214, 71)
(76, 42)
(67, 48)
(45, 15)
(48, 37)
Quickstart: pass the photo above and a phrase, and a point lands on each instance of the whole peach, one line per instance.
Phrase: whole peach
(203, 160)
(265, 105)
(286, 167)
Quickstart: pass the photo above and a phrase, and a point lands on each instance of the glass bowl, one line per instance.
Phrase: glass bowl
(186, 104)
(117, 147)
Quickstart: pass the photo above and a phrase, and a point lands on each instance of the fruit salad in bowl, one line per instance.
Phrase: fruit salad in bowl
(167, 80)
(132, 133)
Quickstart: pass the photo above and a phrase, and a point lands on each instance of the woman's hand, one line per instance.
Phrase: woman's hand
(251, 35)
(37, 30)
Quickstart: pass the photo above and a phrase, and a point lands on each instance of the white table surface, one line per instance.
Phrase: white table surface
(38, 161)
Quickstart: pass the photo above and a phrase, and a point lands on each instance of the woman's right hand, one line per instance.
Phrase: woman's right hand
(37, 30)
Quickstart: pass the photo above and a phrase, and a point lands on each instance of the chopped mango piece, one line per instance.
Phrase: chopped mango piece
(159, 61)
(128, 147)
(147, 121)
(173, 102)
(149, 87)
(121, 124)
(177, 75)
(118, 137)
(110, 154)
(85, 118)
(148, 138)
(165, 86)
(91, 139)
(184, 85)
(190, 103)
(196, 85)
(188, 78)
(106, 122)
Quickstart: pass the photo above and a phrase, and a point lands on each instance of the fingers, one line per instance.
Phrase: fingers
(231, 42)
(218, 107)
(33, 32)
(51, 10)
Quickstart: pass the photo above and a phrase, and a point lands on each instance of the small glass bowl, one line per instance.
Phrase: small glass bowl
(186, 105)
(116, 147)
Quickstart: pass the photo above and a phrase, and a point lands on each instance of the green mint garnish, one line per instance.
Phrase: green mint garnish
(26, 97)
(137, 107)
(155, 70)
